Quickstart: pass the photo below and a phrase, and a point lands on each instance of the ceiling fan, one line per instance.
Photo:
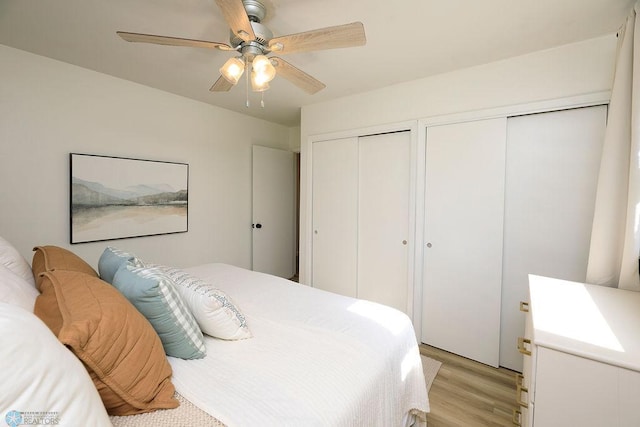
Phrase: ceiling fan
(254, 41)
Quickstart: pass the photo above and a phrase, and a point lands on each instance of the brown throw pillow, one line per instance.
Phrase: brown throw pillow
(118, 346)
(48, 258)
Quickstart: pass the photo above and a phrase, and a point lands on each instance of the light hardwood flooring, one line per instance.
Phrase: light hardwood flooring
(468, 393)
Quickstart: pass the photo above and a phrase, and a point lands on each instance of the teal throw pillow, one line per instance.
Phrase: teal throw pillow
(111, 260)
(153, 293)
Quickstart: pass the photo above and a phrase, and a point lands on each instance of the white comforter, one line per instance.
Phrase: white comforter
(316, 359)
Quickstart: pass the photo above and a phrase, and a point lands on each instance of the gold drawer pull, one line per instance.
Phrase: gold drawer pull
(519, 401)
(521, 346)
(524, 306)
(517, 416)
(519, 379)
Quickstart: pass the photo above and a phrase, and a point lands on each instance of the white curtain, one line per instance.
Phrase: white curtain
(615, 237)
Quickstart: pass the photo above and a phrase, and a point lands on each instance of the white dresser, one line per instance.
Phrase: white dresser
(581, 356)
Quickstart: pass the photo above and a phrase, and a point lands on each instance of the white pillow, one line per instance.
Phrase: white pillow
(15, 290)
(41, 377)
(11, 258)
(216, 314)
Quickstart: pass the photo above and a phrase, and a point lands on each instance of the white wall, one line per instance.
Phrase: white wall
(49, 109)
(566, 71)
(294, 139)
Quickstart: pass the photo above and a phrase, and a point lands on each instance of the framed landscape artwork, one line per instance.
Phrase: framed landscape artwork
(117, 198)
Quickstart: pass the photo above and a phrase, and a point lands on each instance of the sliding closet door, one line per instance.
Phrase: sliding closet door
(552, 168)
(383, 218)
(335, 215)
(464, 206)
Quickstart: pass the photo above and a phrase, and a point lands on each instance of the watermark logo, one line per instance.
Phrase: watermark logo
(13, 418)
(22, 418)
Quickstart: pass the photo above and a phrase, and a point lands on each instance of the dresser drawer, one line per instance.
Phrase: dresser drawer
(574, 391)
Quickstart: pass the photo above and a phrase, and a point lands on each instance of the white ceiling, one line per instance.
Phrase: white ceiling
(406, 40)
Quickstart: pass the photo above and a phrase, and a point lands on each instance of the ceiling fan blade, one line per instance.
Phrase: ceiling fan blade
(171, 41)
(236, 16)
(346, 35)
(296, 76)
(221, 85)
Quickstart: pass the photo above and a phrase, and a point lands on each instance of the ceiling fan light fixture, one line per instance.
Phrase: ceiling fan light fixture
(232, 70)
(257, 84)
(263, 68)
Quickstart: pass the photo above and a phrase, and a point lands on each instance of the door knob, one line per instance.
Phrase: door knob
(258, 225)
(429, 245)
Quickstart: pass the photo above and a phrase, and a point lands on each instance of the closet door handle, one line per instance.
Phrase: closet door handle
(524, 306)
(521, 346)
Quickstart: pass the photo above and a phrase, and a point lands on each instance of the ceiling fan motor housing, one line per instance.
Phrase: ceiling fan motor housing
(256, 13)
(255, 10)
(263, 35)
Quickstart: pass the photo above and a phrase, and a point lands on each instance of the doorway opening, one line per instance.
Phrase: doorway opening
(296, 275)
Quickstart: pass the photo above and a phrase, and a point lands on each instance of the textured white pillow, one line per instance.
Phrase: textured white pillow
(15, 290)
(41, 377)
(11, 258)
(217, 315)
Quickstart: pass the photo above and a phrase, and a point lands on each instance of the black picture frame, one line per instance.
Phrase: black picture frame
(115, 198)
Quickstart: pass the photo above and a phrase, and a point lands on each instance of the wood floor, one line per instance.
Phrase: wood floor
(467, 393)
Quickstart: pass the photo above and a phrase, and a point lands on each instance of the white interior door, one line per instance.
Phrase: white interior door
(273, 211)
(464, 207)
(335, 215)
(383, 218)
(551, 178)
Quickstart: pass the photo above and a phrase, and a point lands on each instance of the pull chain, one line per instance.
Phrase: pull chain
(262, 99)
(246, 79)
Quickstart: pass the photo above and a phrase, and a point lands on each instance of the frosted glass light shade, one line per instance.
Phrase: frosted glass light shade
(258, 83)
(232, 70)
(264, 69)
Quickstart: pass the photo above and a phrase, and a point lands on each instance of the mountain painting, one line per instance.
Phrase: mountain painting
(118, 198)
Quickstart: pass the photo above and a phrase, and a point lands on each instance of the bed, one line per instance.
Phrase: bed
(307, 357)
